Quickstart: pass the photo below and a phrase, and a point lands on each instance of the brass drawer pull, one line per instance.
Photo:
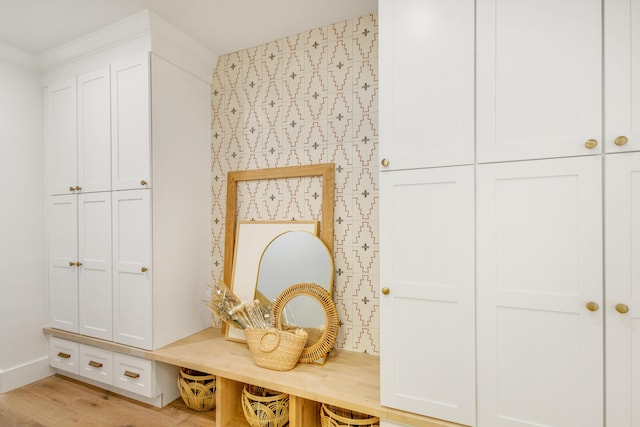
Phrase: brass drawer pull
(143, 182)
(95, 364)
(130, 374)
(62, 355)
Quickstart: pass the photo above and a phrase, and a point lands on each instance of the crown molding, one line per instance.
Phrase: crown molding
(133, 27)
(18, 57)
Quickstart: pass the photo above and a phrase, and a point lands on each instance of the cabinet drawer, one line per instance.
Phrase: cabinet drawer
(64, 355)
(133, 374)
(96, 364)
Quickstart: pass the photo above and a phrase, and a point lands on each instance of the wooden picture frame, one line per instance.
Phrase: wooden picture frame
(326, 171)
(252, 237)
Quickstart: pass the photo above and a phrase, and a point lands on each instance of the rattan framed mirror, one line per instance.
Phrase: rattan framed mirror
(320, 339)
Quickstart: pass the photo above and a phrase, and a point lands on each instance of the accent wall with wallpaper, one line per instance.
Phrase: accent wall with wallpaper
(309, 98)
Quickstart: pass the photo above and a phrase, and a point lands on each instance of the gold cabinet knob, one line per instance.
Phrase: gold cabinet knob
(79, 264)
(592, 306)
(385, 162)
(71, 263)
(622, 308)
(385, 291)
(591, 144)
(78, 188)
(143, 182)
(621, 140)
(72, 188)
(143, 269)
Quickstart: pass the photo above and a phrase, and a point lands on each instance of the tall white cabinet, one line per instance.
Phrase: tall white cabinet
(553, 194)
(128, 166)
(427, 309)
(622, 291)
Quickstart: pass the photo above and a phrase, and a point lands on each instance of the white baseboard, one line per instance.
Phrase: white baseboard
(25, 374)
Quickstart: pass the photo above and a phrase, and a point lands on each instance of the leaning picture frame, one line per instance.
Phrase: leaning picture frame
(252, 237)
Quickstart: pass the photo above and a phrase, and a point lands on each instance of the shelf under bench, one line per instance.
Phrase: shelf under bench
(349, 380)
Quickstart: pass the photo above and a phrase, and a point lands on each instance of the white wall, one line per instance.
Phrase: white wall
(23, 292)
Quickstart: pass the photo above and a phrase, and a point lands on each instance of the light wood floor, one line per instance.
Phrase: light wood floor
(60, 402)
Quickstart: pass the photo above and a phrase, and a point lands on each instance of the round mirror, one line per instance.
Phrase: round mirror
(293, 257)
(308, 306)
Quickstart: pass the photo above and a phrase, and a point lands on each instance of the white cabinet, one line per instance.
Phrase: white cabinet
(62, 139)
(63, 254)
(78, 134)
(96, 364)
(130, 126)
(80, 263)
(64, 355)
(622, 291)
(94, 133)
(105, 246)
(119, 372)
(539, 286)
(132, 278)
(427, 312)
(539, 79)
(621, 79)
(427, 100)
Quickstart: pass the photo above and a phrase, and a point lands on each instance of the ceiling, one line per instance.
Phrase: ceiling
(223, 26)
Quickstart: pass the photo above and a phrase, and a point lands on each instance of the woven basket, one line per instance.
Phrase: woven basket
(198, 389)
(332, 416)
(265, 408)
(275, 349)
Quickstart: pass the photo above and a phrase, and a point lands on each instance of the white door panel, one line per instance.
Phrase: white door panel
(132, 284)
(622, 81)
(63, 255)
(94, 252)
(427, 318)
(130, 124)
(62, 146)
(539, 78)
(622, 249)
(94, 131)
(427, 83)
(539, 254)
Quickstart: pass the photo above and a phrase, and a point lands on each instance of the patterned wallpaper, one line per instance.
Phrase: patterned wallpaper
(306, 99)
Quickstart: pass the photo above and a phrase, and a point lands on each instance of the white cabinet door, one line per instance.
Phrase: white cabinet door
(539, 78)
(622, 81)
(130, 124)
(62, 141)
(94, 254)
(132, 284)
(426, 83)
(539, 264)
(94, 131)
(427, 329)
(622, 268)
(63, 255)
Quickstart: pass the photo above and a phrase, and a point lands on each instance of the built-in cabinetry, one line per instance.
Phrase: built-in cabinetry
(621, 306)
(427, 310)
(553, 191)
(128, 166)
